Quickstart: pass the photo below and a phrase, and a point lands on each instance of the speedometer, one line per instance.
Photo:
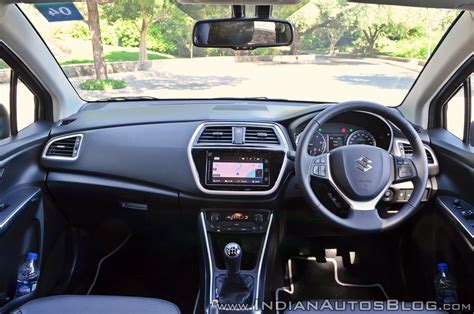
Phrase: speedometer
(361, 137)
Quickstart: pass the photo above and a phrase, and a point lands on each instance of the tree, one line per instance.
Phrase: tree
(96, 38)
(373, 21)
(336, 17)
(146, 12)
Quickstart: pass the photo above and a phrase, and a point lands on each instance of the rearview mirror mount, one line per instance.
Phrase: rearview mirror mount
(242, 33)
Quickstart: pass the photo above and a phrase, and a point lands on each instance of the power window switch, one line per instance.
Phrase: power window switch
(3, 206)
(468, 214)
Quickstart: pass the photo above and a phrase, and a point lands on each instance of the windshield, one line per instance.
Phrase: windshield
(341, 51)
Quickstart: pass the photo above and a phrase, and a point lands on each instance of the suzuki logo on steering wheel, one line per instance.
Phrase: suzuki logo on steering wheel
(364, 164)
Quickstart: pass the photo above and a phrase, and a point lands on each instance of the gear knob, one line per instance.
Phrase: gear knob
(232, 258)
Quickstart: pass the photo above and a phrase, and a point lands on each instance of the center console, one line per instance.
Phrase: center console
(238, 158)
(236, 253)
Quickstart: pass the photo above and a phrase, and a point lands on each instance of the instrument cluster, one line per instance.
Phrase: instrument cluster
(355, 128)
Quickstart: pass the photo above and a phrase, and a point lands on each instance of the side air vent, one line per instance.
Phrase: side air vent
(65, 147)
(66, 122)
(407, 150)
(260, 135)
(216, 135)
(417, 128)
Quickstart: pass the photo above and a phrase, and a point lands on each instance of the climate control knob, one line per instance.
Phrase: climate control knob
(258, 218)
(215, 217)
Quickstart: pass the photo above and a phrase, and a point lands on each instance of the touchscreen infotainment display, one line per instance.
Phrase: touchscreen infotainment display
(224, 168)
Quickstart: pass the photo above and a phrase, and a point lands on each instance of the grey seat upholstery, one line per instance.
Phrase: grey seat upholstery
(359, 307)
(96, 304)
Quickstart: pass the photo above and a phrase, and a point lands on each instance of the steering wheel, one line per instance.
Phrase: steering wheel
(362, 173)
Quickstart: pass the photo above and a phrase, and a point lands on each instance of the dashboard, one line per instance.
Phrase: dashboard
(348, 129)
(212, 150)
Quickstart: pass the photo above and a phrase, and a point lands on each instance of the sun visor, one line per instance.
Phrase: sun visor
(240, 2)
(440, 4)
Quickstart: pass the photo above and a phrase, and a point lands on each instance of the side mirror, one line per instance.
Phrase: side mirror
(4, 122)
(242, 34)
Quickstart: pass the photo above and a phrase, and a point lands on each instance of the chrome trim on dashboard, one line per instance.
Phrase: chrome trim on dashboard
(283, 147)
(260, 262)
(55, 139)
(209, 258)
(397, 152)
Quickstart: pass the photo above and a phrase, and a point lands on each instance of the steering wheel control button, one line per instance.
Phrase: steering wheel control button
(316, 170)
(322, 171)
(319, 168)
(401, 195)
(405, 170)
(387, 196)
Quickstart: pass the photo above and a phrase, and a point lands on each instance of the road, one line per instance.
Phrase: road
(322, 79)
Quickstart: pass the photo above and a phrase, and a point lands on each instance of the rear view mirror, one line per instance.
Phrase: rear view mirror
(242, 34)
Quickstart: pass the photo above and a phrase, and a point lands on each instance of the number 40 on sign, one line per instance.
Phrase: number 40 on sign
(58, 12)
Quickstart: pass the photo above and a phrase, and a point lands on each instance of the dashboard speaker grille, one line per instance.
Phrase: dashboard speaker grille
(216, 135)
(260, 135)
(65, 147)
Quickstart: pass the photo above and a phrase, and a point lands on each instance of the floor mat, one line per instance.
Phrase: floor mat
(136, 270)
(317, 280)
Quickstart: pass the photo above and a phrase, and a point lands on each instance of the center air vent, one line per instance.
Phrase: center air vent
(407, 150)
(216, 135)
(65, 147)
(260, 135)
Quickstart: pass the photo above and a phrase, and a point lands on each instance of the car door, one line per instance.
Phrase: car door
(452, 139)
(25, 121)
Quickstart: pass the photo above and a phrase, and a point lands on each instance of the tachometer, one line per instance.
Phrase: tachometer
(317, 144)
(361, 137)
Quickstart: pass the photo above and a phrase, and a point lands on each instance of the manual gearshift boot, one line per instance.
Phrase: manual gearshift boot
(234, 287)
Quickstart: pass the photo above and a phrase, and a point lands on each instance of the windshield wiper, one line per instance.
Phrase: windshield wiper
(127, 98)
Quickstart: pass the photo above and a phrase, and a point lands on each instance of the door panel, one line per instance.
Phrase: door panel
(453, 225)
(21, 206)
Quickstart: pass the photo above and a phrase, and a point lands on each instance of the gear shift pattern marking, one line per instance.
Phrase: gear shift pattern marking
(232, 249)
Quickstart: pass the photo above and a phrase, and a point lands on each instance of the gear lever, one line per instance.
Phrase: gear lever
(234, 287)
(232, 258)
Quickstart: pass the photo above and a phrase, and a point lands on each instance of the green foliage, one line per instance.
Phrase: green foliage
(102, 84)
(328, 26)
(200, 11)
(127, 33)
(265, 51)
(405, 48)
(79, 31)
(120, 55)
